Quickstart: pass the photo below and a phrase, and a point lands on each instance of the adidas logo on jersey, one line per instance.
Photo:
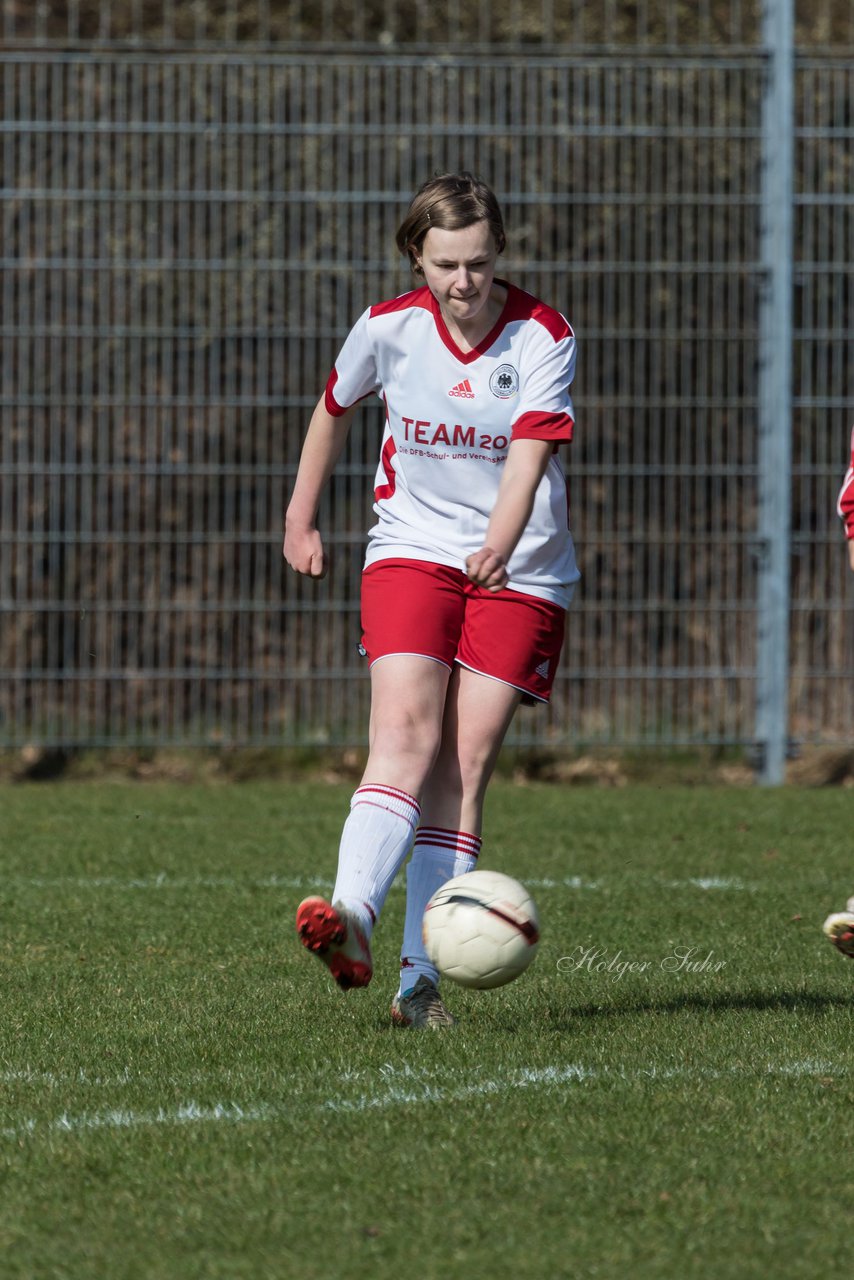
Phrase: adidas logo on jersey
(462, 390)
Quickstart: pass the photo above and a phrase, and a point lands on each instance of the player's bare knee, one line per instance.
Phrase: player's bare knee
(405, 737)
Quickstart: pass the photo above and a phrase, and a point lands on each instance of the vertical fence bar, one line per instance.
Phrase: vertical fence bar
(775, 394)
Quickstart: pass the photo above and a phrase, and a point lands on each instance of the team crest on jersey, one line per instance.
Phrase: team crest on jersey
(504, 382)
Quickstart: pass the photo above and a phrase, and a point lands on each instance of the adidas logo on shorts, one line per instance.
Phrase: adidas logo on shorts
(543, 669)
(463, 390)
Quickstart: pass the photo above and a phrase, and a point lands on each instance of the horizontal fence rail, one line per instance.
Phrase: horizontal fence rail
(187, 238)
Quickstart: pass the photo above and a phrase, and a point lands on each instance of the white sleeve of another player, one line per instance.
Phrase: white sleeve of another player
(355, 373)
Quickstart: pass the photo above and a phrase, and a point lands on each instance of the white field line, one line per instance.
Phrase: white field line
(711, 882)
(54, 1080)
(396, 1089)
(163, 881)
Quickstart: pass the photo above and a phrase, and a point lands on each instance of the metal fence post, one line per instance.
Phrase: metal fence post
(775, 394)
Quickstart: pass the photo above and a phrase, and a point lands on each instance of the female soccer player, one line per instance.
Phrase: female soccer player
(839, 927)
(469, 569)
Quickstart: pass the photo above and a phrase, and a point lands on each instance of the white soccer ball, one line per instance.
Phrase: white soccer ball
(481, 929)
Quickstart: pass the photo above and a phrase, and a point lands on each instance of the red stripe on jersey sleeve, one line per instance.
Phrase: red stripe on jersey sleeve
(333, 408)
(543, 426)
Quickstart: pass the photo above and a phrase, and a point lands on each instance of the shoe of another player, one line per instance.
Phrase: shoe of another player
(839, 928)
(421, 1007)
(333, 934)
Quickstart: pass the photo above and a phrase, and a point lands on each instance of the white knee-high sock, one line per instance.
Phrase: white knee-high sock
(376, 838)
(438, 855)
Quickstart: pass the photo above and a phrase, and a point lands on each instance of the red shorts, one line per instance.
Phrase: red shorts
(432, 610)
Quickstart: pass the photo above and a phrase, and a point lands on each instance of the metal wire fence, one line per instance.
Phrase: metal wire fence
(188, 236)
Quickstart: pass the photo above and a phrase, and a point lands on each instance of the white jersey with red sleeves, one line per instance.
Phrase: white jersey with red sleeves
(450, 418)
(845, 504)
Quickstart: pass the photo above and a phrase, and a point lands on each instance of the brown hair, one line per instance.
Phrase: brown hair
(450, 201)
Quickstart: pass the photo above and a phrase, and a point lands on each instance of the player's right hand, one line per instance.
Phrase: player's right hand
(304, 552)
(488, 568)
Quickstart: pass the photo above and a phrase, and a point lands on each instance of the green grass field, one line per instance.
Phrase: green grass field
(666, 1093)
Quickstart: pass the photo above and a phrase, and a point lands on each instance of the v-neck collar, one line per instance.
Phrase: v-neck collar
(466, 357)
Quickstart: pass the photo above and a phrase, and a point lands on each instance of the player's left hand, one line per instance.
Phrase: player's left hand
(488, 568)
(851, 552)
